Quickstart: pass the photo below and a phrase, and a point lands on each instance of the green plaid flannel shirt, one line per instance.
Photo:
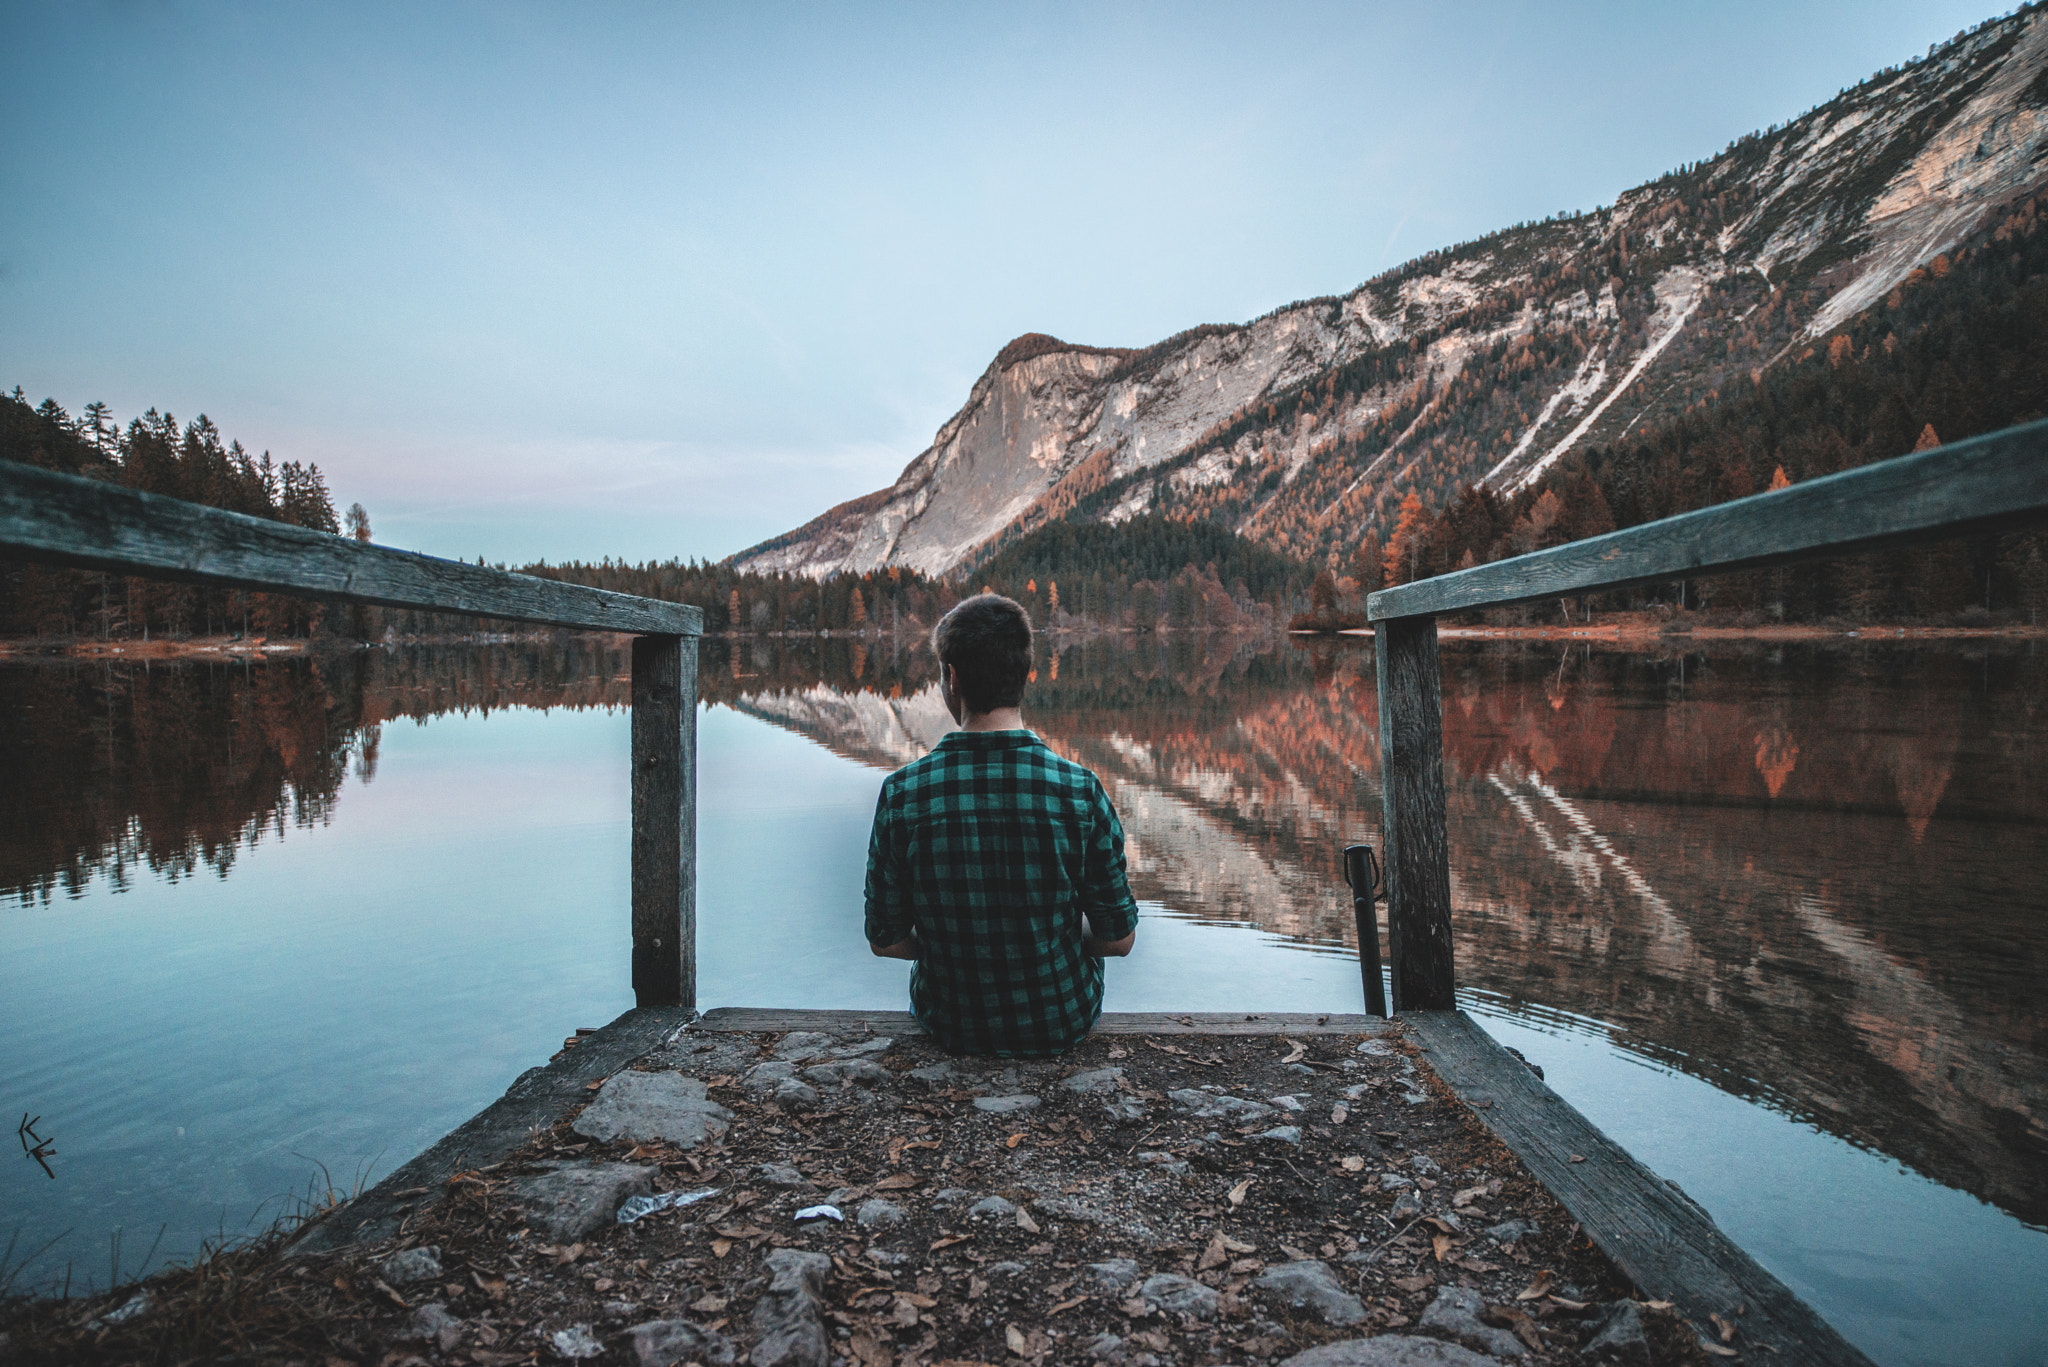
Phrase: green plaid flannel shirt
(990, 849)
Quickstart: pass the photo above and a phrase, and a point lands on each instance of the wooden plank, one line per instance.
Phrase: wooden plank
(1418, 854)
(750, 1018)
(65, 520)
(664, 821)
(1978, 485)
(1665, 1243)
(537, 1099)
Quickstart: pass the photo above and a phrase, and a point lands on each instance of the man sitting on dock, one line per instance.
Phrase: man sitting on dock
(996, 866)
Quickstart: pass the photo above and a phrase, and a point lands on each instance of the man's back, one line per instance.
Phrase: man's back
(992, 849)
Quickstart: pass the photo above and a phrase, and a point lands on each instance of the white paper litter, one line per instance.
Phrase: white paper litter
(820, 1213)
(638, 1207)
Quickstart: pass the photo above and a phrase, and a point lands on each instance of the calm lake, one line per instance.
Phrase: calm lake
(1771, 916)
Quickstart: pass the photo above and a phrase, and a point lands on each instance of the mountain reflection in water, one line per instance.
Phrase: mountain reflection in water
(1806, 875)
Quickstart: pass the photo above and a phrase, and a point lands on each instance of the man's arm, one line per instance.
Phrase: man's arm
(890, 933)
(906, 948)
(1101, 949)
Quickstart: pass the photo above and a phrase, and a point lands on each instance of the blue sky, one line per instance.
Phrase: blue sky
(651, 280)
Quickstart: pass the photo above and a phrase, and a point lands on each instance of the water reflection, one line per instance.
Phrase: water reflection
(1805, 875)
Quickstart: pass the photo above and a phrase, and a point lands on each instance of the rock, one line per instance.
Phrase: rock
(763, 1077)
(790, 1092)
(1406, 1207)
(1619, 1334)
(1301, 1068)
(1165, 1162)
(433, 1322)
(412, 1265)
(575, 1342)
(1377, 1048)
(1112, 1278)
(1415, 1098)
(579, 1199)
(799, 1045)
(1178, 1295)
(1098, 1080)
(1006, 1269)
(1205, 1105)
(1283, 1134)
(950, 1196)
(1511, 1231)
(1391, 1350)
(1310, 1286)
(621, 1310)
(1455, 1312)
(659, 1343)
(1102, 1346)
(1125, 1108)
(1005, 1105)
(789, 1319)
(1356, 1090)
(875, 1213)
(653, 1107)
(1287, 1102)
(866, 1048)
(1394, 1181)
(859, 1072)
(992, 1208)
(932, 1074)
(783, 1175)
(1426, 1165)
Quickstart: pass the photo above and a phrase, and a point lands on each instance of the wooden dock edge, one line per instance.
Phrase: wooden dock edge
(1656, 1234)
(749, 1018)
(539, 1097)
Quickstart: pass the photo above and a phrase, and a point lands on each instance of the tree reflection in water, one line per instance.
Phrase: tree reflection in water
(1805, 874)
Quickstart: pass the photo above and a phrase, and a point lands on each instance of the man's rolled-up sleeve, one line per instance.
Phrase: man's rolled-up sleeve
(1106, 893)
(887, 898)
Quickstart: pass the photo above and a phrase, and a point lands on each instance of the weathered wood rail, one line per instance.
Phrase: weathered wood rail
(1652, 1232)
(61, 519)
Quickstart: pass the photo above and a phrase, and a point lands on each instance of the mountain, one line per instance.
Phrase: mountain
(1486, 362)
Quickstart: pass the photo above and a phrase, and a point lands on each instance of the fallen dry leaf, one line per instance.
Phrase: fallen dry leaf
(1353, 1164)
(1536, 1289)
(868, 1351)
(1238, 1246)
(1237, 1193)
(1468, 1196)
(1658, 1305)
(720, 1247)
(1014, 1336)
(1297, 1255)
(1295, 1049)
(1569, 1304)
(708, 1305)
(1014, 1140)
(1025, 1222)
(902, 1181)
(1725, 1327)
(1067, 1305)
(1442, 1243)
(1422, 1281)
(404, 1304)
(1339, 1113)
(1719, 1350)
(1212, 1256)
(948, 1242)
(1578, 1158)
(1136, 1307)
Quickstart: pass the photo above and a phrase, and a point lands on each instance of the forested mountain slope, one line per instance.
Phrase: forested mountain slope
(1497, 361)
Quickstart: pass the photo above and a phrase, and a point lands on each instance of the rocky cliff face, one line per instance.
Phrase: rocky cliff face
(1488, 361)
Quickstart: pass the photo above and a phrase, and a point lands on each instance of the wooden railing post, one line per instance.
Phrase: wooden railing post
(665, 821)
(1418, 857)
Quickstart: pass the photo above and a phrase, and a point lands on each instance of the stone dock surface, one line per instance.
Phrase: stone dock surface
(1312, 1195)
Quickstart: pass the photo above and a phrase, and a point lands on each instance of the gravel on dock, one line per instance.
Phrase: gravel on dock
(1143, 1200)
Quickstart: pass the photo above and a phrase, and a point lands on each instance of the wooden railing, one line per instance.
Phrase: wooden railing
(64, 520)
(1984, 484)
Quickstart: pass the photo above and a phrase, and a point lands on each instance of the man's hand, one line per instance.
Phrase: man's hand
(1107, 949)
(905, 948)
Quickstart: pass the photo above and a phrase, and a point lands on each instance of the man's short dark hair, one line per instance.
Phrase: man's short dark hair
(987, 640)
